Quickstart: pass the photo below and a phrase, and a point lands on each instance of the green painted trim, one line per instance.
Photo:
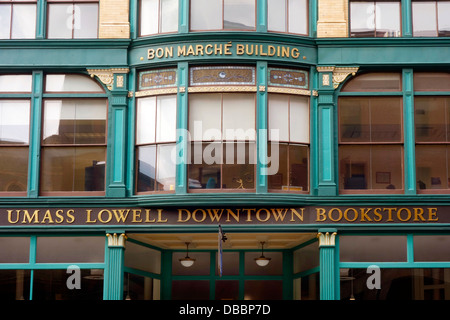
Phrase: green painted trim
(261, 128)
(406, 16)
(183, 16)
(261, 16)
(313, 17)
(288, 271)
(113, 275)
(409, 148)
(35, 134)
(327, 273)
(131, 126)
(181, 184)
(314, 135)
(166, 276)
(41, 18)
(134, 19)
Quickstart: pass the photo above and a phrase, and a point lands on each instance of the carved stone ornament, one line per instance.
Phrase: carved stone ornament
(326, 239)
(339, 73)
(106, 76)
(115, 240)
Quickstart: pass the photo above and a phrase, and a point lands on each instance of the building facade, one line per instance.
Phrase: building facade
(284, 149)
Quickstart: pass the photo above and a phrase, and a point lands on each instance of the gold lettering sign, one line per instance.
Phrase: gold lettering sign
(248, 215)
(224, 49)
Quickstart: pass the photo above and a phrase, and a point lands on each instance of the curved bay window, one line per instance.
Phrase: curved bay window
(73, 154)
(222, 15)
(222, 127)
(17, 19)
(14, 133)
(375, 19)
(158, 16)
(156, 131)
(432, 127)
(371, 135)
(290, 16)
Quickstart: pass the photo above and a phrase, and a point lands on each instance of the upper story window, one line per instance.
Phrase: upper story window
(431, 18)
(158, 16)
(222, 15)
(73, 154)
(375, 19)
(371, 135)
(15, 112)
(290, 16)
(68, 19)
(432, 128)
(17, 19)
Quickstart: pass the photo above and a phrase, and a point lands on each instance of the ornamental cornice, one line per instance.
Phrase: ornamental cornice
(339, 74)
(115, 240)
(106, 76)
(326, 239)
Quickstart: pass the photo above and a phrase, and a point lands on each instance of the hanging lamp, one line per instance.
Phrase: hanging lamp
(187, 261)
(262, 261)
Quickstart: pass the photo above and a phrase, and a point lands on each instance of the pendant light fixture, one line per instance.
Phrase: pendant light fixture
(187, 261)
(262, 261)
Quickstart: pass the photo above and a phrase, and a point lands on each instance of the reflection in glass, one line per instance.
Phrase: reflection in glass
(206, 14)
(276, 15)
(5, 21)
(146, 168)
(169, 15)
(14, 121)
(15, 285)
(239, 14)
(138, 287)
(14, 249)
(424, 19)
(59, 21)
(73, 169)
(149, 17)
(205, 116)
(204, 168)
(165, 175)
(431, 119)
(70, 249)
(372, 248)
(298, 16)
(14, 173)
(85, 21)
(432, 167)
(375, 19)
(71, 83)
(432, 248)
(443, 9)
(15, 82)
(23, 21)
(72, 21)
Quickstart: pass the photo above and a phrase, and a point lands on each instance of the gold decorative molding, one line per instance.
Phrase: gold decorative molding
(222, 89)
(301, 92)
(262, 88)
(115, 240)
(106, 76)
(155, 92)
(182, 89)
(339, 74)
(326, 239)
(325, 79)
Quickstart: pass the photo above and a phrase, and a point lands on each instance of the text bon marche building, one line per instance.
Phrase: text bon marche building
(314, 133)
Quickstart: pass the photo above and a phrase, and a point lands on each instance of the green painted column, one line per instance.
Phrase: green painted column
(114, 271)
(35, 134)
(327, 185)
(261, 16)
(327, 249)
(183, 16)
(117, 134)
(261, 127)
(131, 129)
(406, 18)
(409, 132)
(182, 127)
(166, 275)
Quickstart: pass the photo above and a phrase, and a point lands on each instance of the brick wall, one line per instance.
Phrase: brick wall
(333, 19)
(114, 19)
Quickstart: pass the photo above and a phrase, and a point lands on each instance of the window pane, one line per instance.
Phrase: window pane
(278, 116)
(14, 173)
(424, 19)
(354, 119)
(14, 121)
(190, 289)
(306, 258)
(205, 116)
(263, 290)
(206, 14)
(371, 167)
(372, 248)
(239, 116)
(59, 21)
(149, 17)
(86, 20)
(362, 19)
(374, 82)
(299, 119)
(142, 258)
(71, 83)
(432, 248)
(307, 287)
(298, 16)
(443, 20)
(230, 263)
(146, 120)
(51, 285)
(76, 121)
(138, 287)
(428, 81)
(279, 180)
(166, 168)
(146, 168)
(239, 14)
(15, 285)
(73, 169)
(238, 171)
(166, 113)
(227, 290)
(14, 250)
(204, 169)
(298, 168)
(5, 21)
(432, 164)
(430, 118)
(15, 83)
(385, 119)
(276, 15)
(70, 249)
(24, 21)
(388, 19)
(169, 15)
